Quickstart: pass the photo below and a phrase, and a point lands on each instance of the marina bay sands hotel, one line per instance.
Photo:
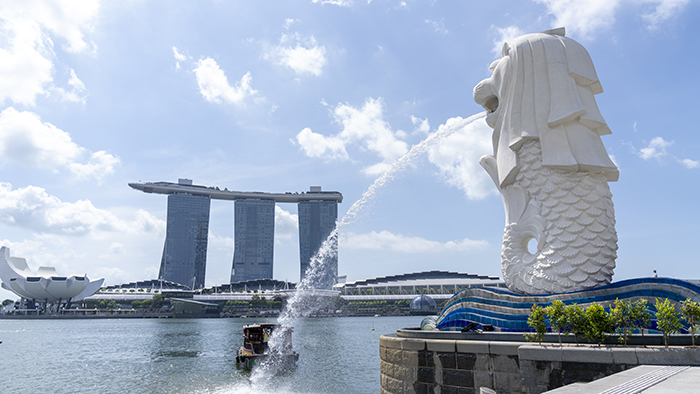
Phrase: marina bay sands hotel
(185, 252)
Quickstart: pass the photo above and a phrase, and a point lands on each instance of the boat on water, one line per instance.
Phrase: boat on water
(255, 347)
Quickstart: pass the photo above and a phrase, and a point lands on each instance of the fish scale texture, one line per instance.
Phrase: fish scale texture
(573, 218)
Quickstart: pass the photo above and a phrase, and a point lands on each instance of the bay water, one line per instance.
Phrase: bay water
(336, 355)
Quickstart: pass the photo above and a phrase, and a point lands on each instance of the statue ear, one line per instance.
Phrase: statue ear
(581, 66)
(505, 49)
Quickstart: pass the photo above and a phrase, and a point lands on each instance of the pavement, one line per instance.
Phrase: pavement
(647, 379)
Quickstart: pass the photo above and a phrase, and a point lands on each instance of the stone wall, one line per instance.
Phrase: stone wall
(413, 365)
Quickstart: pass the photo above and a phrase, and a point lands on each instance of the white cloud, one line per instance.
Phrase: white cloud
(101, 163)
(289, 22)
(665, 9)
(341, 3)
(214, 86)
(26, 140)
(318, 145)
(385, 240)
(303, 56)
(77, 92)
(179, 57)
(26, 57)
(222, 243)
(689, 164)
(34, 209)
(457, 157)
(655, 150)
(365, 127)
(587, 18)
(286, 224)
(438, 26)
(503, 35)
(420, 125)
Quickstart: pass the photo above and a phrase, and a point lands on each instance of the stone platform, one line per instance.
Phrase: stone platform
(414, 361)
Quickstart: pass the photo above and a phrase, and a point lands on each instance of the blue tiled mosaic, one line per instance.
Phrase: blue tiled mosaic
(508, 311)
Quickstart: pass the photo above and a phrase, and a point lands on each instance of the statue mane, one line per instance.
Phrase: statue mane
(545, 85)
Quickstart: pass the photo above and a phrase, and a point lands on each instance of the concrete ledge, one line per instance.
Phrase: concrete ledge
(505, 348)
(412, 344)
(540, 353)
(390, 342)
(472, 347)
(625, 356)
(671, 356)
(587, 354)
(441, 345)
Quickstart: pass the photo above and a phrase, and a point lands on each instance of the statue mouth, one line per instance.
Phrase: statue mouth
(491, 106)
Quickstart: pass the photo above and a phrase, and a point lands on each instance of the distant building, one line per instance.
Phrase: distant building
(254, 239)
(185, 251)
(45, 285)
(439, 285)
(317, 219)
(184, 257)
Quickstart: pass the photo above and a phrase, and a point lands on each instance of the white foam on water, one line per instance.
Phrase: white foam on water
(307, 299)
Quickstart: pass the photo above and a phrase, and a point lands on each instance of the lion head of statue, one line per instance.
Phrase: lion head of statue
(542, 87)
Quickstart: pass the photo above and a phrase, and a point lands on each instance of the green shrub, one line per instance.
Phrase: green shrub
(537, 320)
(667, 320)
(598, 323)
(691, 313)
(641, 317)
(621, 319)
(557, 318)
(576, 319)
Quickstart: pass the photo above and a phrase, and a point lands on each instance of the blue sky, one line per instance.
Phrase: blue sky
(280, 96)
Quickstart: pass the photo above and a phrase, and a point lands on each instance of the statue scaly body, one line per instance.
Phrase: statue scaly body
(550, 165)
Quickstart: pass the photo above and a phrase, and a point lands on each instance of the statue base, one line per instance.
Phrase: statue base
(507, 311)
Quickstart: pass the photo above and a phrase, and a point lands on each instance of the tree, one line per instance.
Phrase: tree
(621, 319)
(7, 302)
(641, 318)
(557, 318)
(577, 321)
(667, 320)
(691, 313)
(537, 320)
(157, 301)
(598, 323)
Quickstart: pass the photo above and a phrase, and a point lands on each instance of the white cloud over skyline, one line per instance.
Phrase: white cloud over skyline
(385, 240)
(590, 17)
(503, 35)
(457, 157)
(303, 56)
(365, 127)
(214, 87)
(26, 140)
(655, 150)
(689, 164)
(27, 54)
(341, 3)
(33, 208)
(286, 224)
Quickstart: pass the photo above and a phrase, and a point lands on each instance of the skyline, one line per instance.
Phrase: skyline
(280, 97)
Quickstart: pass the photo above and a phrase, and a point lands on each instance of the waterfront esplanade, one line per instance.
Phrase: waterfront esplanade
(185, 251)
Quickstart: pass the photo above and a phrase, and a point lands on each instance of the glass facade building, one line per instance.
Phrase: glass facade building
(184, 258)
(254, 239)
(317, 219)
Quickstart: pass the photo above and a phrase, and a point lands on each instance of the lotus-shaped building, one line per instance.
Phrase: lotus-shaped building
(44, 285)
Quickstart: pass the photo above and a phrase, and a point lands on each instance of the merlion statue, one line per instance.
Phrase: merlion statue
(550, 165)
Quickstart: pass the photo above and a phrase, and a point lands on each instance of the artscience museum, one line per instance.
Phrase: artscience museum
(44, 286)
